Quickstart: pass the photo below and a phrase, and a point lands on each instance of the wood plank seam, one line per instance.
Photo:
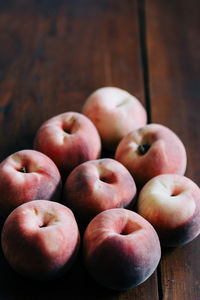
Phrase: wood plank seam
(144, 56)
(144, 62)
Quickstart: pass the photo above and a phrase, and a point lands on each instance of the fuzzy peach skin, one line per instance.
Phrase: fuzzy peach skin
(171, 203)
(40, 239)
(115, 113)
(27, 175)
(120, 249)
(150, 151)
(98, 185)
(68, 139)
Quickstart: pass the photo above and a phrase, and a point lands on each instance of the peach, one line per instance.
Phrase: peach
(171, 203)
(98, 185)
(150, 151)
(68, 139)
(120, 249)
(115, 113)
(40, 239)
(27, 175)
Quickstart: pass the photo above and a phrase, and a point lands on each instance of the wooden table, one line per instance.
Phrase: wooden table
(53, 54)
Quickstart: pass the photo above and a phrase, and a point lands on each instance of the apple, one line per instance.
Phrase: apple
(68, 139)
(27, 175)
(120, 249)
(115, 113)
(150, 151)
(171, 203)
(40, 239)
(98, 185)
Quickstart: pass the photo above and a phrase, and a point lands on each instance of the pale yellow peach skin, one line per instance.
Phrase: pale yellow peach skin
(120, 249)
(171, 203)
(115, 113)
(68, 139)
(40, 239)
(98, 185)
(27, 175)
(150, 151)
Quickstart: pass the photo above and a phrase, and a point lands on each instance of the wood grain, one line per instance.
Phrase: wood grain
(173, 51)
(53, 54)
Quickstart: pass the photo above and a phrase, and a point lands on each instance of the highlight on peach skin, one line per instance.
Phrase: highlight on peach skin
(27, 175)
(171, 203)
(68, 139)
(98, 185)
(120, 249)
(115, 113)
(150, 151)
(40, 239)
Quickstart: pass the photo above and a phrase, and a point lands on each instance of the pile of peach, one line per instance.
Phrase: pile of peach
(121, 248)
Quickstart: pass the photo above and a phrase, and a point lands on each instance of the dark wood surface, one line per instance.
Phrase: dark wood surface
(173, 50)
(53, 54)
